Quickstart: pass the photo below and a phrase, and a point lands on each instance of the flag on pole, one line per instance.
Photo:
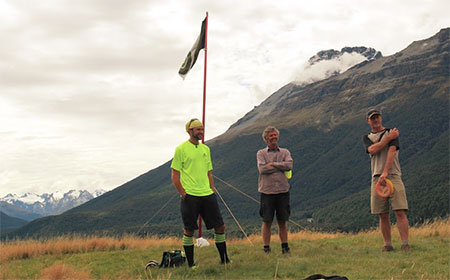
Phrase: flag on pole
(191, 57)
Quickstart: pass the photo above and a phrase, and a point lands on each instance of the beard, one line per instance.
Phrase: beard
(198, 136)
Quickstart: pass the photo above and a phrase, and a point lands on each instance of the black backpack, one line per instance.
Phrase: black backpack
(172, 258)
(323, 277)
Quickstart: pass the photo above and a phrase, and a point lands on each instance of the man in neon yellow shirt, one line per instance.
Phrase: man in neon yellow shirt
(192, 177)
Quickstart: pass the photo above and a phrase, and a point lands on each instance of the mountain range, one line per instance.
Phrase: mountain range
(30, 206)
(322, 124)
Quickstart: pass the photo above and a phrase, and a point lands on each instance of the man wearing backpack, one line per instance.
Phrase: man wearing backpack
(274, 166)
(192, 177)
(382, 145)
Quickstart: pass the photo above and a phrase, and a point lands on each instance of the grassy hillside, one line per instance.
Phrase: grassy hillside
(356, 256)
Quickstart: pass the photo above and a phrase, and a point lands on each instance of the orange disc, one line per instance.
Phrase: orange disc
(386, 190)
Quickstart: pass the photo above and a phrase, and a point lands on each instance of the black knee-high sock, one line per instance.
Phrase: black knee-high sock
(221, 247)
(188, 245)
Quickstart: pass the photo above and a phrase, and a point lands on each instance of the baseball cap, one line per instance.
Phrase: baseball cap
(373, 112)
(193, 123)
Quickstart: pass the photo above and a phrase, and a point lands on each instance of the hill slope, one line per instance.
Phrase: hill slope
(322, 125)
(7, 222)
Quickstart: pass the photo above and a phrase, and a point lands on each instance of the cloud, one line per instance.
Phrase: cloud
(89, 90)
(327, 68)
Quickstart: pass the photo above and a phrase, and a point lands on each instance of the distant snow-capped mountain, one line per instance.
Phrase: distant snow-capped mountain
(51, 203)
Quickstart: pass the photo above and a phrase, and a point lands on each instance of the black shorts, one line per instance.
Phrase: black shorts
(275, 203)
(206, 206)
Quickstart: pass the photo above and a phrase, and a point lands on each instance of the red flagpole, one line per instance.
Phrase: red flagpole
(204, 105)
(204, 75)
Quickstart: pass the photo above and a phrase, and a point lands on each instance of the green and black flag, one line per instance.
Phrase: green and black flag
(193, 53)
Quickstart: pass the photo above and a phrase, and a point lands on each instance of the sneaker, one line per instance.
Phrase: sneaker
(267, 250)
(405, 248)
(285, 250)
(387, 248)
(193, 267)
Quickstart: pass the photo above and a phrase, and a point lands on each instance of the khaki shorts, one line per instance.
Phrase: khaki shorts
(398, 199)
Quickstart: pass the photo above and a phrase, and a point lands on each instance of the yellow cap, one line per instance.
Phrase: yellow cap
(193, 123)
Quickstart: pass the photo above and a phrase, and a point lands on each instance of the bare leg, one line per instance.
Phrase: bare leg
(402, 224)
(385, 227)
(266, 232)
(282, 231)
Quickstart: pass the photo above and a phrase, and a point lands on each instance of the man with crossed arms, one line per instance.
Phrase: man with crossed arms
(382, 145)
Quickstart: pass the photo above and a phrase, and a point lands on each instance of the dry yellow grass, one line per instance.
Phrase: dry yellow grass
(63, 272)
(305, 235)
(438, 227)
(23, 249)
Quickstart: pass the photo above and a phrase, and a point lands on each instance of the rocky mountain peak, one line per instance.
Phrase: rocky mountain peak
(368, 53)
(329, 63)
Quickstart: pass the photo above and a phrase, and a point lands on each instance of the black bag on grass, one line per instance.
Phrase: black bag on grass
(173, 258)
(323, 277)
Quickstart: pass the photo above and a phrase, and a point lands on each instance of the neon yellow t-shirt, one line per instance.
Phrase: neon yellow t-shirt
(193, 162)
